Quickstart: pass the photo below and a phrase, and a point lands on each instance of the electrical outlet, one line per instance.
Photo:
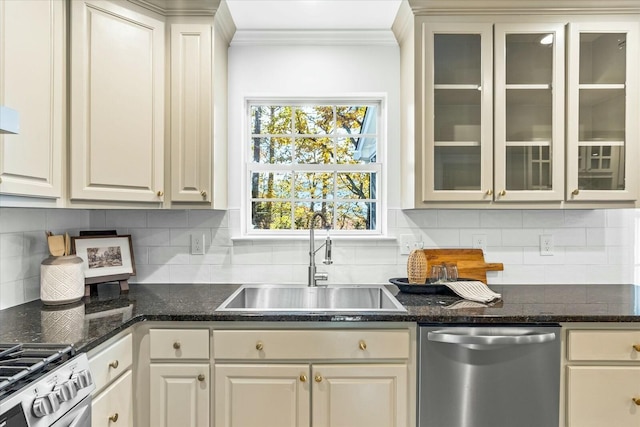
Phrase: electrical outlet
(479, 241)
(546, 245)
(197, 244)
(409, 242)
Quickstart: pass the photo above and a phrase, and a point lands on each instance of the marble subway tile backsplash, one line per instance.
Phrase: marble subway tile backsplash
(590, 246)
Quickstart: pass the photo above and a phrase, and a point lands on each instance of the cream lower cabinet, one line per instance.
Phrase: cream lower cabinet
(111, 369)
(602, 378)
(302, 378)
(179, 380)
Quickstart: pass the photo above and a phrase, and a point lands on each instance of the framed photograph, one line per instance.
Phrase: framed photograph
(105, 257)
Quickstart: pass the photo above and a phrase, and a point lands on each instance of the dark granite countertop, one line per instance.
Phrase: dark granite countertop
(94, 319)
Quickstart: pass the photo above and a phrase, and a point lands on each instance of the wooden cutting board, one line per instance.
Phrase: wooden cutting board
(470, 262)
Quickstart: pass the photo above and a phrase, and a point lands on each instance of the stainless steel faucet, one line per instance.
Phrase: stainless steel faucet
(314, 275)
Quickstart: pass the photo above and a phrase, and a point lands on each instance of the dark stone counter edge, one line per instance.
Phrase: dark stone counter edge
(363, 317)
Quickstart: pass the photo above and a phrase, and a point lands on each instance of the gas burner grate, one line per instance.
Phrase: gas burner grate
(22, 362)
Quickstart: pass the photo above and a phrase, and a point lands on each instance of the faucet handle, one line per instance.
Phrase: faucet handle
(321, 275)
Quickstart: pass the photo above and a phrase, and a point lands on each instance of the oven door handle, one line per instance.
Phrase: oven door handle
(488, 342)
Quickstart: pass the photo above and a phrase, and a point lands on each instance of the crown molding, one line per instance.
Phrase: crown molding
(180, 8)
(316, 37)
(493, 7)
(223, 22)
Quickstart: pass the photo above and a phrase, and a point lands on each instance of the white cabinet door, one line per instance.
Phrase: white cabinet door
(250, 395)
(372, 395)
(114, 406)
(603, 396)
(602, 112)
(529, 112)
(191, 112)
(117, 103)
(32, 81)
(179, 395)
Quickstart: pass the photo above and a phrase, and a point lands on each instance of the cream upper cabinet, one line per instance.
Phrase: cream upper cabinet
(32, 81)
(117, 103)
(603, 111)
(457, 112)
(493, 128)
(529, 112)
(191, 112)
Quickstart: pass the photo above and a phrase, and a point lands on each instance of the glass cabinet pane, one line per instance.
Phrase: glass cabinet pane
(529, 58)
(457, 115)
(601, 111)
(529, 168)
(457, 167)
(529, 114)
(457, 59)
(603, 58)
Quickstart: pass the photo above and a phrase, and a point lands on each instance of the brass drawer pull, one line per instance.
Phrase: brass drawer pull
(636, 400)
(502, 193)
(203, 194)
(160, 193)
(176, 345)
(303, 378)
(362, 345)
(318, 378)
(201, 377)
(489, 192)
(575, 192)
(636, 347)
(259, 346)
(114, 418)
(114, 364)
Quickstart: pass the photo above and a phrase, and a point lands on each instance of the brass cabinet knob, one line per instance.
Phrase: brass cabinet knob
(201, 377)
(575, 192)
(160, 193)
(636, 400)
(176, 345)
(362, 345)
(114, 418)
(303, 378)
(502, 193)
(114, 364)
(636, 347)
(259, 346)
(203, 194)
(318, 378)
(489, 192)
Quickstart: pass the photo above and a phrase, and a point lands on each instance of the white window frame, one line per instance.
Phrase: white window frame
(379, 167)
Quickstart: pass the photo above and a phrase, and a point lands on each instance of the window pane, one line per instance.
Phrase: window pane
(271, 215)
(314, 151)
(271, 150)
(271, 185)
(314, 185)
(355, 216)
(270, 119)
(315, 120)
(304, 211)
(355, 120)
(356, 185)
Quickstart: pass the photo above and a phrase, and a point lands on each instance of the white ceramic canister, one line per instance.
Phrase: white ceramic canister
(61, 280)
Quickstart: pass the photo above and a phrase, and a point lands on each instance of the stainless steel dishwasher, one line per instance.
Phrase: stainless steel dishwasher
(489, 376)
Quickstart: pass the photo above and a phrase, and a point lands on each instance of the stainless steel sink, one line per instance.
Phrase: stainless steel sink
(280, 298)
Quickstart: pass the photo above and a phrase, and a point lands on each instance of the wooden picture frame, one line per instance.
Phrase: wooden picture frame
(106, 258)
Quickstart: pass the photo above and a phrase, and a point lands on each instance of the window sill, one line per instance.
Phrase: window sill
(318, 235)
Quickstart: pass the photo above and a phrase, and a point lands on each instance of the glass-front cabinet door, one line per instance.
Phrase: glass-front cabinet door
(457, 112)
(529, 112)
(603, 115)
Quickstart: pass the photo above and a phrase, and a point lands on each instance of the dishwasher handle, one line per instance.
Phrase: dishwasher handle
(489, 341)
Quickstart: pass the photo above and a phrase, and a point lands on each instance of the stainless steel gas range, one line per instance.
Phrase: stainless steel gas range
(44, 385)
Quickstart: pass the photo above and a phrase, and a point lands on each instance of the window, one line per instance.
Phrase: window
(313, 157)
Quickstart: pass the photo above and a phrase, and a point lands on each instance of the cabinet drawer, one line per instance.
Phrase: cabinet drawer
(316, 344)
(603, 396)
(604, 345)
(111, 362)
(114, 406)
(179, 343)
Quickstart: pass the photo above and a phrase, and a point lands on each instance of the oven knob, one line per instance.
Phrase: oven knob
(45, 405)
(82, 379)
(66, 391)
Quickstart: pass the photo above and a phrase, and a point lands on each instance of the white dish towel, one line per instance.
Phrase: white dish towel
(473, 291)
